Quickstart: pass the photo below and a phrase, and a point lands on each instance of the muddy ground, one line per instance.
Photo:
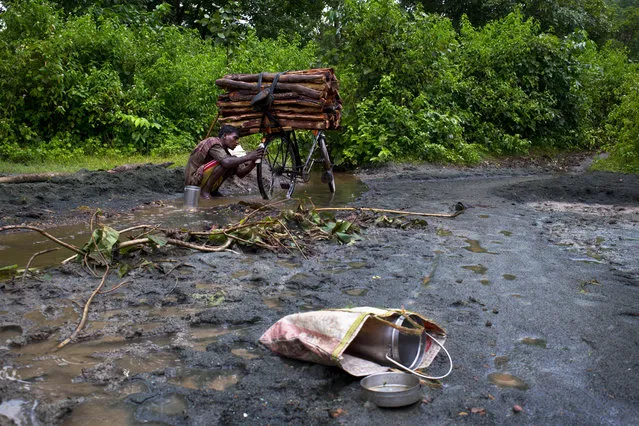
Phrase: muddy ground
(536, 284)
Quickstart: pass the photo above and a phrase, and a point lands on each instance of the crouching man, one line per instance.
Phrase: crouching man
(211, 162)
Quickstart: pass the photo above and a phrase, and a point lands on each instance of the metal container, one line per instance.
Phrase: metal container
(391, 389)
(191, 196)
(376, 340)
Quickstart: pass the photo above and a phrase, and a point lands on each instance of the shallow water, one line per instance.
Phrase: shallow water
(18, 248)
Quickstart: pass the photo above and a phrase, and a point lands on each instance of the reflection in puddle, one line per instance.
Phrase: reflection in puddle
(54, 318)
(272, 303)
(198, 378)
(97, 412)
(288, 264)
(244, 353)
(12, 410)
(475, 247)
(9, 331)
(240, 274)
(170, 405)
(507, 381)
(203, 336)
(478, 269)
(356, 291)
(443, 232)
(541, 343)
(501, 361)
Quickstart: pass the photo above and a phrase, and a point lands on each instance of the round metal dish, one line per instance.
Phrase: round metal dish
(392, 389)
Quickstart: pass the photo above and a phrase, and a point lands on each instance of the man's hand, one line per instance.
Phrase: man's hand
(254, 155)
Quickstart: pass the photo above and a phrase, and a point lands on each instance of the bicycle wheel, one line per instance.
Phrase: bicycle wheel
(277, 171)
(327, 175)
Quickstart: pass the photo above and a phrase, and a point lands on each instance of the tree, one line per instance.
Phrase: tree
(561, 17)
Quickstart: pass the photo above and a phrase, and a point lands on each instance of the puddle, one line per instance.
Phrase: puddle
(17, 248)
(99, 412)
(540, 343)
(9, 331)
(244, 353)
(485, 282)
(501, 361)
(12, 409)
(483, 216)
(288, 264)
(203, 336)
(506, 233)
(170, 405)
(356, 292)
(272, 303)
(478, 269)
(349, 188)
(428, 278)
(509, 277)
(475, 247)
(504, 380)
(443, 232)
(357, 265)
(198, 378)
(55, 317)
(240, 274)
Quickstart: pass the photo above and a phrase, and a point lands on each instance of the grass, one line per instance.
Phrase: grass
(616, 164)
(88, 163)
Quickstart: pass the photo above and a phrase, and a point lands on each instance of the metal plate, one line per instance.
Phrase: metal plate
(392, 389)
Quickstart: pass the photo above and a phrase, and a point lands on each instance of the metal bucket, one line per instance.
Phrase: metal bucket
(376, 340)
(191, 196)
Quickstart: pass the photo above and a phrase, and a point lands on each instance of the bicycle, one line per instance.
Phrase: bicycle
(281, 165)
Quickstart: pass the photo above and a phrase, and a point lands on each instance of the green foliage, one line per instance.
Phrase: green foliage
(518, 86)
(117, 78)
(623, 131)
(101, 244)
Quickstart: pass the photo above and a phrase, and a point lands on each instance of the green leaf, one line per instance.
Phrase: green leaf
(124, 269)
(157, 240)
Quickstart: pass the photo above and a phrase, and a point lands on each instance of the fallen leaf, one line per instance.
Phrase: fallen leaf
(463, 413)
(492, 398)
(517, 408)
(478, 410)
(337, 412)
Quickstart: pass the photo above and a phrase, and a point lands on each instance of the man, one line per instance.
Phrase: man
(211, 162)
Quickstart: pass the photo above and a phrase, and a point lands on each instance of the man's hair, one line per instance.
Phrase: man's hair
(226, 129)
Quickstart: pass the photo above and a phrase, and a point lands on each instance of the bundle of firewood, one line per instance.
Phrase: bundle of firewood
(306, 99)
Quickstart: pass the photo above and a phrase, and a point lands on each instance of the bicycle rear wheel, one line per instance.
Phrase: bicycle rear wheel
(327, 175)
(277, 171)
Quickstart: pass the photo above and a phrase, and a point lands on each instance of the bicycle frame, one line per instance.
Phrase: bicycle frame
(285, 164)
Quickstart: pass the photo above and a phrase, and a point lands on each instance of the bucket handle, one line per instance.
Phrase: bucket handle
(403, 367)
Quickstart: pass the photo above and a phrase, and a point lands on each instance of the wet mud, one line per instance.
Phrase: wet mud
(536, 284)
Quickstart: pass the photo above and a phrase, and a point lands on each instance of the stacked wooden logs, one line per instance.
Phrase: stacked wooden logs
(306, 99)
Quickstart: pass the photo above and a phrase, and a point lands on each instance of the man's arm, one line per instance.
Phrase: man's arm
(234, 162)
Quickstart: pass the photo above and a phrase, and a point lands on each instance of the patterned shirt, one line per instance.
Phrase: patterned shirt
(208, 150)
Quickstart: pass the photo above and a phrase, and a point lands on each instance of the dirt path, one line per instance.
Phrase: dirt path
(536, 285)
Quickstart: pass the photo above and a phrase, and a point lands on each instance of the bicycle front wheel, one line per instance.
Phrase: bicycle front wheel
(327, 176)
(277, 171)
